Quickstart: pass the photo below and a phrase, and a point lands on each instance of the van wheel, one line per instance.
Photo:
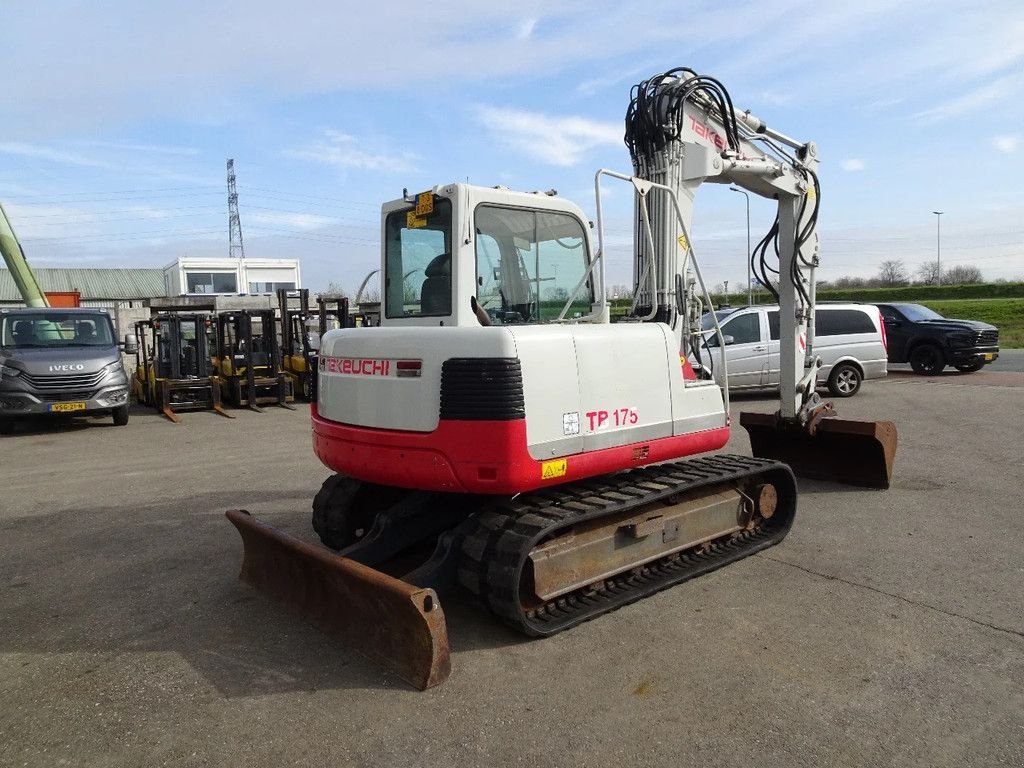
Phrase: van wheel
(844, 380)
(120, 416)
(927, 360)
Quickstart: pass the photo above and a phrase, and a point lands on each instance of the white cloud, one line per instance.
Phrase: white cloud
(774, 98)
(852, 164)
(1006, 143)
(157, 149)
(525, 29)
(994, 91)
(50, 154)
(342, 150)
(551, 139)
(288, 220)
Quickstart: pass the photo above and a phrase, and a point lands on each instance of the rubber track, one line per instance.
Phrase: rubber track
(495, 552)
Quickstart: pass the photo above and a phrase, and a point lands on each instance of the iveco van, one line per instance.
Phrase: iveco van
(849, 338)
(60, 361)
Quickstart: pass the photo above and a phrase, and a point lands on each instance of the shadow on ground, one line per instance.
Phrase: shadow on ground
(164, 578)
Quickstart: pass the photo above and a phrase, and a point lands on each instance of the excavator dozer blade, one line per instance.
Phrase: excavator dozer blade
(841, 450)
(396, 624)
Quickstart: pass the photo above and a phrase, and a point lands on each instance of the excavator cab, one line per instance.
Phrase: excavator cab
(173, 369)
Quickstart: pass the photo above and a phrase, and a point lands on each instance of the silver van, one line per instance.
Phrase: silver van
(60, 361)
(848, 338)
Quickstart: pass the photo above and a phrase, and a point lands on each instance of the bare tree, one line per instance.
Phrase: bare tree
(335, 289)
(847, 281)
(893, 273)
(962, 274)
(928, 273)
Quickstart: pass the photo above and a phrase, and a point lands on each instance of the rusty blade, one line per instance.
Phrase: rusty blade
(843, 451)
(396, 624)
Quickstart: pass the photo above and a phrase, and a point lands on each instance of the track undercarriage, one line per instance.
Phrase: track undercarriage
(542, 562)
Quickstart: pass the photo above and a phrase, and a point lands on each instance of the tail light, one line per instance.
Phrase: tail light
(885, 340)
(409, 368)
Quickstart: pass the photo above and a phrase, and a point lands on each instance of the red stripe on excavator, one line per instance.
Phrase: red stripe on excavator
(480, 456)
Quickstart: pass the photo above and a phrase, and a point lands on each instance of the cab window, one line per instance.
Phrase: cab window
(529, 263)
(418, 262)
(744, 329)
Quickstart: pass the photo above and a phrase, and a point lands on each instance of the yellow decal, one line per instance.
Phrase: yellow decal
(683, 242)
(412, 221)
(811, 193)
(553, 469)
(424, 203)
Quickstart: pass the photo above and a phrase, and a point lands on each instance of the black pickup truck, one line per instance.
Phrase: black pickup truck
(929, 341)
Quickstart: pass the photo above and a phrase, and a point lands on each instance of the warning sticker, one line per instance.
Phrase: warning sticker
(552, 469)
(683, 242)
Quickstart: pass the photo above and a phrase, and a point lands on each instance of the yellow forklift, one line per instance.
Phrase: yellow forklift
(173, 371)
(248, 360)
(298, 358)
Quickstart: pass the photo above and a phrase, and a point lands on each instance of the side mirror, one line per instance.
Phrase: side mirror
(131, 344)
(729, 340)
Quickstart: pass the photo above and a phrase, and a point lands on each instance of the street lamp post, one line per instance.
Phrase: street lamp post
(938, 246)
(750, 292)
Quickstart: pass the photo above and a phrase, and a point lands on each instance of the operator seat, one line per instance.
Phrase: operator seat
(436, 293)
(24, 333)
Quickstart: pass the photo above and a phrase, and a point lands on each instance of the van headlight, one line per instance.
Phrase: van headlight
(116, 397)
(113, 368)
(6, 370)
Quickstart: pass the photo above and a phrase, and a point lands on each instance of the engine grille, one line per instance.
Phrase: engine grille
(482, 389)
(61, 397)
(65, 381)
(987, 338)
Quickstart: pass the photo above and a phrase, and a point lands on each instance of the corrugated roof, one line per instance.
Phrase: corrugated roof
(114, 284)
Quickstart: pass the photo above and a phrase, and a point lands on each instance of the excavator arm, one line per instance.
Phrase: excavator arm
(682, 131)
(14, 257)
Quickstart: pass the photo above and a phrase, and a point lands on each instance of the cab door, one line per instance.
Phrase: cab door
(774, 376)
(746, 349)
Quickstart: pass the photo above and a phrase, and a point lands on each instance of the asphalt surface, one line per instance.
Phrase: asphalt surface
(886, 630)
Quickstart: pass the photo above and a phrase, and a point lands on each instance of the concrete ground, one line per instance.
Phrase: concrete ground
(887, 629)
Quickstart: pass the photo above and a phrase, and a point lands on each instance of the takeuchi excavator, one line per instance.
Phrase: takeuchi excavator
(497, 432)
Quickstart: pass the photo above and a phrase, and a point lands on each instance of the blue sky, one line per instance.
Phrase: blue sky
(118, 118)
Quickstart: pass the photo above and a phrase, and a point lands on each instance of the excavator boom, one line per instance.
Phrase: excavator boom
(14, 257)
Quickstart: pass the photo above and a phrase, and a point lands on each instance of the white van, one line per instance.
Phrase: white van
(848, 337)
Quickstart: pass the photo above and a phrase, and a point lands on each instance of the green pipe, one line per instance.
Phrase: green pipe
(26, 281)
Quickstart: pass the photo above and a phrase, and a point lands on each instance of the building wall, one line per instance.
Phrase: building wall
(250, 275)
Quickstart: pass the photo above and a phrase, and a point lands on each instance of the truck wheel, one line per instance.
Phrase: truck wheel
(844, 380)
(927, 360)
(970, 368)
(120, 416)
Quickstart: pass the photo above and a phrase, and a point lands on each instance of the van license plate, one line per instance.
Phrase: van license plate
(65, 407)
(988, 356)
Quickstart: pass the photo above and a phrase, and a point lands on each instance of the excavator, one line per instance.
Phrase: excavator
(497, 433)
